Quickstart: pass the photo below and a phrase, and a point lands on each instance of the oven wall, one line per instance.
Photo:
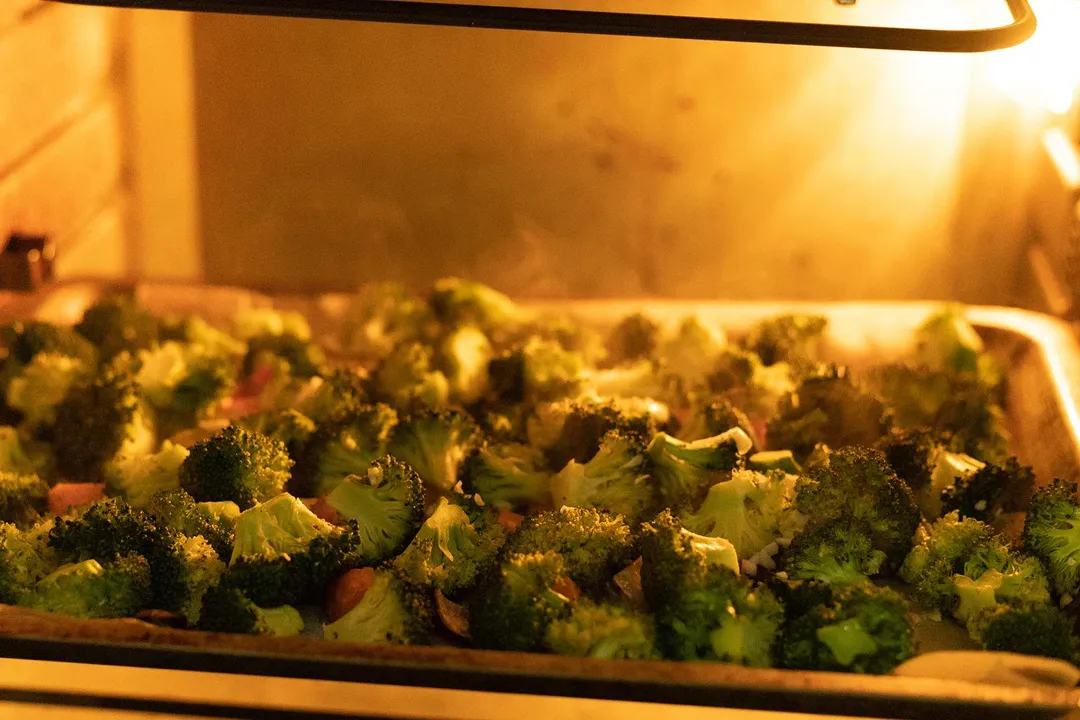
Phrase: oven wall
(330, 154)
(62, 164)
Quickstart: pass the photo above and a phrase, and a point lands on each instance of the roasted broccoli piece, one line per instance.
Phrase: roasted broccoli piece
(605, 630)
(672, 556)
(947, 341)
(538, 370)
(138, 477)
(990, 491)
(862, 629)
(381, 316)
(90, 589)
(1041, 630)
(636, 337)
(283, 554)
(507, 476)
(799, 596)
(713, 415)
(225, 609)
(911, 453)
(203, 569)
(827, 407)
(194, 330)
(693, 349)
(15, 457)
(341, 392)
(752, 510)
(290, 427)
(838, 553)
(178, 511)
(304, 359)
(463, 356)
(457, 303)
(572, 429)
(770, 460)
(42, 385)
(615, 479)
(265, 321)
(99, 419)
(391, 611)
(435, 444)
(740, 377)
(791, 339)
(514, 606)
(118, 323)
(683, 471)
(25, 558)
(183, 383)
(406, 378)
(387, 505)
(343, 445)
(859, 483)
(948, 468)
(594, 545)
(238, 465)
(23, 498)
(1052, 534)
(454, 548)
(24, 339)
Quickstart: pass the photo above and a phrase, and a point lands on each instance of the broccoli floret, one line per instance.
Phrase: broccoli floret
(99, 419)
(513, 607)
(452, 551)
(90, 589)
(990, 491)
(387, 505)
(947, 341)
(463, 357)
(691, 351)
(118, 323)
(837, 553)
(24, 339)
(673, 557)
(391, 611)
(751, 510)
(792, 339)
(225, 609)
(507, 476)
(290, 427)
(862, 629)
(572, 429)
(138, 477)
(342, 391)
(23, 498)
(183, 383)
(594, 545)
(284, 554)
(194, 330)
(603, 630)
(42, 385)
(859, 483)
(1052, 534)
(435, 444)
(203, 570)
(25, 558)
(1042, 630)
(456, 303)
(267, 322)
(342, 446)
(14, 456)
(238, 465)
(769, 460)
(615, 479)
(995, 576)
(406, 378)
(635, 338)
(947, 469)
(827, 407)
(683, 471)
(178, 511)
(536, 371)
(381, 316)
(712, 415)
(911, 453)
(302, 358)
(799, 596)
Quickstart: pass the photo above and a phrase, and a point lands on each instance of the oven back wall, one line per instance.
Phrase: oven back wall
(330, 154)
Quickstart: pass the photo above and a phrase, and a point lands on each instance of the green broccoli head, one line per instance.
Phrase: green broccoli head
(183, 383)
(911, 454)
(752, 510)
(572, 429)
(302, 358)
(690, 352)
(947, 341)
(859, 483)
(290, 427)
(1006, 579)
(453, 551)
(463, 356)
(340, 393)
(178, 511)
(507, 475)
(1052, 534)
(116, 324)
(137, 478)
(791, 339)
(514, 606)
(457, 303)
(594, 545)
(90, 589)
(194, 330)
(942, 551)
(861, 629)
(990, 491)
(226, 609)
(238, 465)
(99, 418)
(202, 570)
(15, 457)
(392, 610)
(387, 505)
(673, 558)
(827, 407)
(799, 597)
(407, 378)
(342, 446)
(42, 385)
(25, 558)
(838, 553)
(23, 498)
(713, 415)
(615, 479)
(24, 339)
(1041, 630)
(535, 371)
(683, 471)
(435, 444)
(381, 316)
(605, 630)
(635, 337)
(256, 322)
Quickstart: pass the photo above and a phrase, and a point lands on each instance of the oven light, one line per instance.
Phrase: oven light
(1043, 72)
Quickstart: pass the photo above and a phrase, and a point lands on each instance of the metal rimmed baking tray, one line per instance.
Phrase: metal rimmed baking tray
(1042, 360)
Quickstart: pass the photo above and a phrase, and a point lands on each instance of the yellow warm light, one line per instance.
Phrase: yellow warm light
(1043, 72)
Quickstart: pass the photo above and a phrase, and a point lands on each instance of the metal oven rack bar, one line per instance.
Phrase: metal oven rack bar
(621, 23)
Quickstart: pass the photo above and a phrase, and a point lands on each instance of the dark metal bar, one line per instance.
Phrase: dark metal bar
(620, 23)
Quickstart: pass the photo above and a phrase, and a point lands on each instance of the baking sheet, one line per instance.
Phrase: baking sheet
(1042, 359)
